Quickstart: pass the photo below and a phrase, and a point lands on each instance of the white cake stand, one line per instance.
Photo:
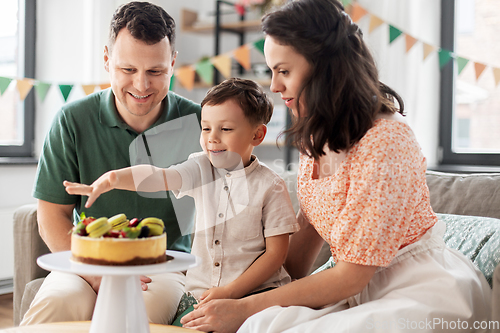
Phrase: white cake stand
(120, 305)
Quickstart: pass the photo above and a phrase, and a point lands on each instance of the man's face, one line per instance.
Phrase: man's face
(140, 76)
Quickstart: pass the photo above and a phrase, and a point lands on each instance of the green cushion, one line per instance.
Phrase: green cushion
(478, 238)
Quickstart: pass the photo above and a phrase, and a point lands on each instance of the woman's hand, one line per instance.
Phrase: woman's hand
(103, 184)
(218, 316)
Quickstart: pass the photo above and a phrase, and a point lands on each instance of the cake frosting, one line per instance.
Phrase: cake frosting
(119, 251)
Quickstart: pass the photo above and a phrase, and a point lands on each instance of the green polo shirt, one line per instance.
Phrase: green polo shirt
(88, 138)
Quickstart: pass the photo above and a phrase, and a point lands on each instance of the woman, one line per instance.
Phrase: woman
(361, 186)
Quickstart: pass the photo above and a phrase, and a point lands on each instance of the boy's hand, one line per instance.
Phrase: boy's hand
(102, 185)
(214, 293)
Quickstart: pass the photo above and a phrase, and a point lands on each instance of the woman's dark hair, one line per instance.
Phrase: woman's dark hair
(145, 21)
(249, 95)
(342, 94)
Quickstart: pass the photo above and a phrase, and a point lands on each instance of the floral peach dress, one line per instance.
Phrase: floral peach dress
(375, 210)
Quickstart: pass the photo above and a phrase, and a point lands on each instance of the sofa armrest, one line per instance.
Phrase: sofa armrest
(28, 246)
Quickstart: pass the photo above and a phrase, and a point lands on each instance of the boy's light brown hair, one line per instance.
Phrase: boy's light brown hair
(255, 103)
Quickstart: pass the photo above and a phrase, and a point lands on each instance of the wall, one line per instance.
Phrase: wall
(416, 80)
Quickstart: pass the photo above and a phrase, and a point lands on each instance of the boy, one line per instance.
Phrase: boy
(244, 214)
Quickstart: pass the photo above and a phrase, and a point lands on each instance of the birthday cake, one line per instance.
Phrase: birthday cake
(119, 242)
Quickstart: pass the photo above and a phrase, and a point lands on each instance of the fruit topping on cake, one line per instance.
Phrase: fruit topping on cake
(119, 226)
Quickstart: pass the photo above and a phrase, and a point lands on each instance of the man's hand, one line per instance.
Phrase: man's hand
(103, 184)
(144, 282)
(95, 282)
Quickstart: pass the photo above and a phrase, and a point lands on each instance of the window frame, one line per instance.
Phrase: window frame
(447, 103)
(28, 38)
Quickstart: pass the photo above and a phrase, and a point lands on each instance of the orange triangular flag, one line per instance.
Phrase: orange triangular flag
(88, 88)
(357, 12)
(24, 86)
(223, 65)
(375, 22)
(479, 69)
(104, 86)
(185, 75)
(428, 49)
(242, 56)
(410, 41)
(496, 74)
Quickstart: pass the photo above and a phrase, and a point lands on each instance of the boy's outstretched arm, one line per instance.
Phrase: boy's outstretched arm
(145, 178)
(258, 273)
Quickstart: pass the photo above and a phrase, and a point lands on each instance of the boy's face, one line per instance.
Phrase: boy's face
(227, 136)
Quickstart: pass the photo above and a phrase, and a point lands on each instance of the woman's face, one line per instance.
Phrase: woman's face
(289, 71)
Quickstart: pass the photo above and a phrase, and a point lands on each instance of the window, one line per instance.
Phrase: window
(17, 60)
(470, 93)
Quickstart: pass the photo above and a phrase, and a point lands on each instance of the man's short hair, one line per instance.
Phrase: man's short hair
(255, 103)
(145, 21)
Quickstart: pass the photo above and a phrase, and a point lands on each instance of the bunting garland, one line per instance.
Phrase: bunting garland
(42, 89)
(357, 12)
(461, 62)
(186, 75)
(23, 87)
(88, 88)
(206, 71)
(393, 33)
(410, 41)
(4, 84)
(496, 74)
(223, 65)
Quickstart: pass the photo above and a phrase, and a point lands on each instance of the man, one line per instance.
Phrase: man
(94, 135)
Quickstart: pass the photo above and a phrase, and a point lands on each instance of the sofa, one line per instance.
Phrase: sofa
(469, 204)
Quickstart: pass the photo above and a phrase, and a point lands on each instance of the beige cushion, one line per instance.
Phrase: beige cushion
(465, 194)
(28, 246)
(28, 296)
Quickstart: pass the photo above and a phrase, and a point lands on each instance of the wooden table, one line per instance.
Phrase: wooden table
(84, 327)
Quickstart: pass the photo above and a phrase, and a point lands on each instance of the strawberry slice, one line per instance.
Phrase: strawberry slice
(134, 222)
(88, 220)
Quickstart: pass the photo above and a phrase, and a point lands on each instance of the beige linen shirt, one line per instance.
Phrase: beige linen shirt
(235, 211)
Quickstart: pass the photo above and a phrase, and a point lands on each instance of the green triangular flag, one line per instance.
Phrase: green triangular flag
(42, 89)
(65, 90)
(444, 57)
(462, 62)
(259, 45)
(172, 83)
(205, 70)
(393, 33)
(4, 84)
(346, 2)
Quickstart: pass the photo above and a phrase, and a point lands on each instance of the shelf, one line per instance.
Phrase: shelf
(189, 23)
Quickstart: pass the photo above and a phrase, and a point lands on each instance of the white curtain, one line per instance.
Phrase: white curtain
(415, 79)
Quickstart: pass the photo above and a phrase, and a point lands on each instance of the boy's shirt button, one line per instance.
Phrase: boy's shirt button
(217, 242)
(221, 215)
